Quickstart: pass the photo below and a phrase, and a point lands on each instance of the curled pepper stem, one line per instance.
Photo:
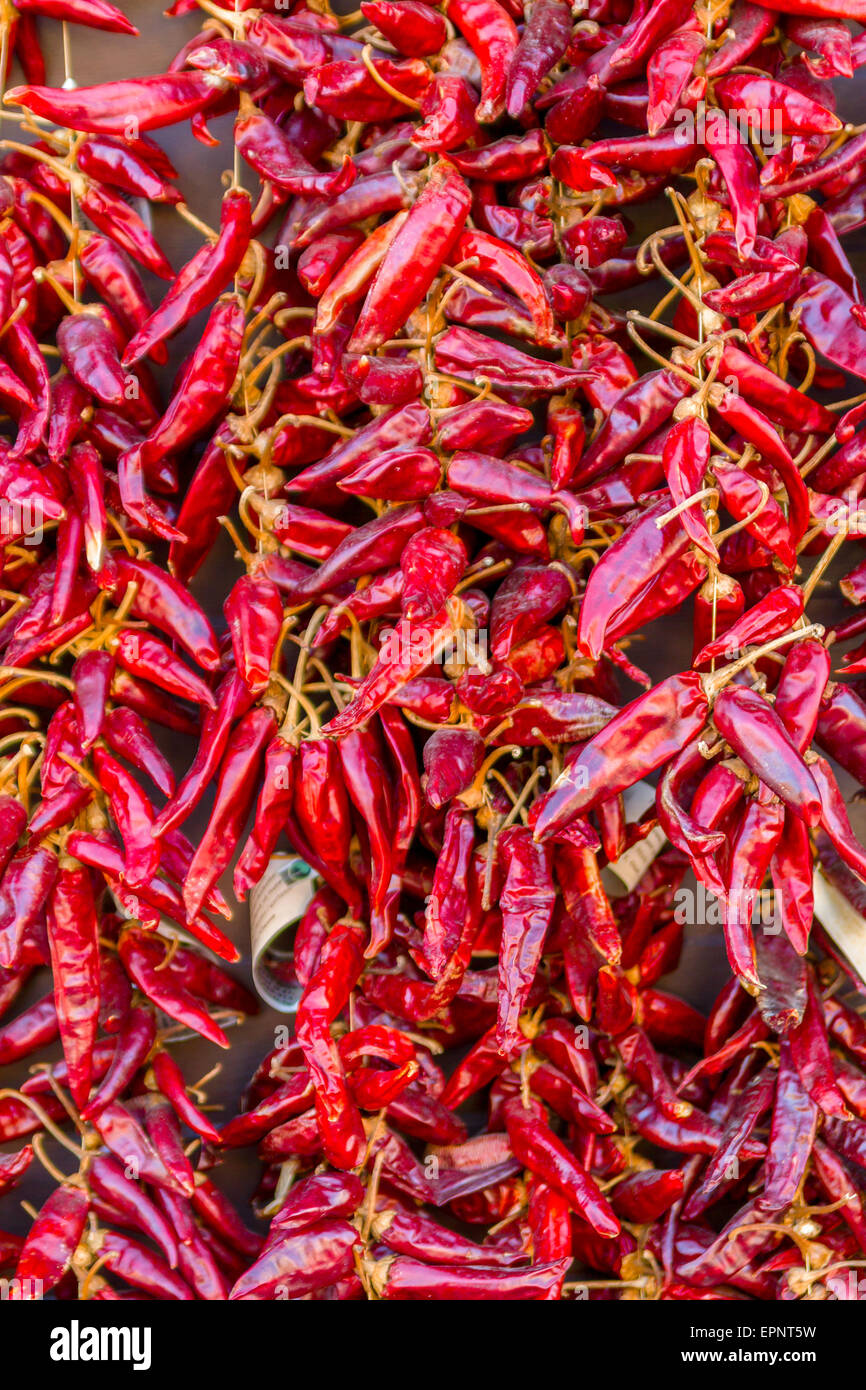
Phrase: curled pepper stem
(825, 560)
(285, 1182)
(15, 765)
(91, 1278)
(252, 526)
(42, 275)
(53, 677)
(665, 363)
(521, 801)
(492, 758)
(664, 329)
(746, 520)
(20, 712)
(231, 18)
(37, 1143)
(269, 311)
(316, 420)
(367, 60)
(802, 1242)
(696, 497)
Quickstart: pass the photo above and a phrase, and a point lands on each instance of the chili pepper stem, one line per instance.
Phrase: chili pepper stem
(719, 679)
(822, 565)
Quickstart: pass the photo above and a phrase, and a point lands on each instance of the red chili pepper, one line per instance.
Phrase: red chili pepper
(492, 35)
(643, 736)
(134, 1042)
(170, 1081)
(810, 1055)
(162, 601)
(134, 816)
(758, 736)
(142, 964)
(203, 278)
(254, 611)
(449, 106)
(365, 775)
(274, 802)
(420, 643)
(399, 1277)
(98, 15)
(323, 999)
(770, 617)
(753, 846)
(138, 1266)
(110, 1183)
(411, 26)
(128, 736)
(232, 701)
(535, 1145)
(24, 890)
(543, 42)
(269, 151)
(301, 1262)
(402, 280)
(32, 1029)
(148, 657)
(201, 393)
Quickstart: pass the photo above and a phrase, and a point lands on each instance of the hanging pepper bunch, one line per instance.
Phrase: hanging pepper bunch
(460, 481)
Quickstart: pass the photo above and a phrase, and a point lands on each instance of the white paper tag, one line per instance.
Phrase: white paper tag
(631, 866)
(277, 903)
(637, 800)
(840, 921)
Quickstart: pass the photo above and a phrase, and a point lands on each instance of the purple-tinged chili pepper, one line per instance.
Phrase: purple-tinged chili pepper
(414, 28)
(300, 1262)
(24, 889)
(254, 611)
(161, 600)
(133, 814)
(109, 1182)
